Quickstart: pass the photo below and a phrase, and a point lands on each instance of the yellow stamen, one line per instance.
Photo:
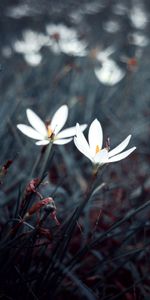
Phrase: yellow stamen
(97, 150)
(50, 131)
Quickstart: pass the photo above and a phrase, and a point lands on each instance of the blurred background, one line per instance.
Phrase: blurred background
(91, 55)
(94, 57)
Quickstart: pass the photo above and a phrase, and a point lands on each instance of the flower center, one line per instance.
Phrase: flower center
(97, 150)
(56, 36)
(49, 131)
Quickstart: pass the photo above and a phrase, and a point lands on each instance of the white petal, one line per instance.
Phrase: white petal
(121, 155)
(120, 147)
(81, 141)
(70, 131)
(36, 122)
(62, 141)
(44, 142)
(82, 149)
(101, 157)
(29, 131)
(95, 136)
(59, 119)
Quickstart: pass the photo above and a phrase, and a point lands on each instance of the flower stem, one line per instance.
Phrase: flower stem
(35, 166)
(45, 160)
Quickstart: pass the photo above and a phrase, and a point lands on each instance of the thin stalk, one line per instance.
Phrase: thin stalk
(35, 166)
(105, 235)
(45, 160)
(62, 245)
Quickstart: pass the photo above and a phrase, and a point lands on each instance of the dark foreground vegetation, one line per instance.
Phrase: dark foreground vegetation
(65, 233)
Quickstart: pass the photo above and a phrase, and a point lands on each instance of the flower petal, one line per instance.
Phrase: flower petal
(120, 147)
(44, 142)
(62, 141)
(30, 132)
(81, 148)
(81, 140)
(36, 122)
(121, 155)
(95, 136)
(70, 131)
(59, 119)
(101, 157)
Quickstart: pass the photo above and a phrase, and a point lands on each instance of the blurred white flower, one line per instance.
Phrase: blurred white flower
(93, 148)
(103, 54)
(33, 59)
(110, 73)
(111, 26)
(32, 42)
(19, 11)
(51, 132)
(138, 39)
(138, 16)
(66, 40)
(30, 46)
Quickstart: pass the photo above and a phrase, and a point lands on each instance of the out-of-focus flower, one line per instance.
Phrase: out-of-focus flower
(66, 40)
(111, 26)
(110, 73)
(51, 132)
(33, 59)
(32, 42)
(93, 148)
(138, 16)
(138, 39)
(30, 46)
(104, 54)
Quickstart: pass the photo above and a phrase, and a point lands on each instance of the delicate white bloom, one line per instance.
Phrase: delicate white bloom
(52, 132)
(93, 148)
(110, 73)
(65, 39)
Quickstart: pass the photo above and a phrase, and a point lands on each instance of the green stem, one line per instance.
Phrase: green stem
(45, 160)
(35, 166)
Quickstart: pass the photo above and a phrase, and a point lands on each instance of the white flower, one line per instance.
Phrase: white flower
(110, 73)
(32, 42)
(138, 39)
(30, 46)
(33, 59)
(65, 39)
(52, 132)
(93, 148)
(104, 54)
(138, 17)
